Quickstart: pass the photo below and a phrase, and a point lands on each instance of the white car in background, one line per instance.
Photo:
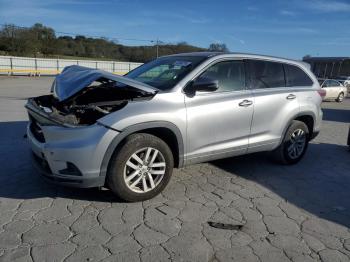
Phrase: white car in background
(334, 90)
(347, 82)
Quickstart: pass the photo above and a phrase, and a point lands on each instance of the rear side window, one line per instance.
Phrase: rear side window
(266, 74)
(296, 76)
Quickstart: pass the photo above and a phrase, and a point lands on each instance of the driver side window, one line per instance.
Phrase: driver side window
(230, 75)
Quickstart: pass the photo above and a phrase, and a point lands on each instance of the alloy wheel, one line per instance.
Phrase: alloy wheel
(297, 144)
(144, 170)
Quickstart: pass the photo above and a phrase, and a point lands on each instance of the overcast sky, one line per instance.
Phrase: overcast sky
(290, 28)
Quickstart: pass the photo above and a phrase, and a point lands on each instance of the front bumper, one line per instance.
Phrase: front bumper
(81, 148)
(43, 169)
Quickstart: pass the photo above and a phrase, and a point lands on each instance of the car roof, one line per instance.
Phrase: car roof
(213, 54)
(200, 54)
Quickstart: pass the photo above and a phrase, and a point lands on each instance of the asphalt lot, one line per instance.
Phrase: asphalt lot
(288, 213)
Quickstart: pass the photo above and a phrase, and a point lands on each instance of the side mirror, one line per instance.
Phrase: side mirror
(203, 84)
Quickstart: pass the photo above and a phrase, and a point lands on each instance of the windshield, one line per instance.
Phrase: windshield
(164, 73)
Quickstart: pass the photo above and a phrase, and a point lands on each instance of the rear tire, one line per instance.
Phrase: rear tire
(340, 98)
(140, 168)
(294, 144)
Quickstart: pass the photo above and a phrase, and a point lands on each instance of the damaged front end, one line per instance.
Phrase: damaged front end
(81, 96)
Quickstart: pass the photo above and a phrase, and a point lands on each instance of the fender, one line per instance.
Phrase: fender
(139, 127)
(304, 113)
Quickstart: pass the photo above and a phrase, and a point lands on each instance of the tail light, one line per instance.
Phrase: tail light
(322, 93)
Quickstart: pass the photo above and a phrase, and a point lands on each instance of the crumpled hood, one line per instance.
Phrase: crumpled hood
(75, 78)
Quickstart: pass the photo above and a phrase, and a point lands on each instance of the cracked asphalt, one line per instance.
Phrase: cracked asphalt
(288, 213)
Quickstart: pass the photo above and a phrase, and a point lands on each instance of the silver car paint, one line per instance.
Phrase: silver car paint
(224, 127)
(212, 125)
(266, 131)
(205, 114)
(75, 145)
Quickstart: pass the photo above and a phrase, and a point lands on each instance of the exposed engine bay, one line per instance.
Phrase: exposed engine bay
(102, 97)
(82, 95)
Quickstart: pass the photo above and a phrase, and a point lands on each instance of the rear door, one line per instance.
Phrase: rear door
(274, 104)
(306, 89)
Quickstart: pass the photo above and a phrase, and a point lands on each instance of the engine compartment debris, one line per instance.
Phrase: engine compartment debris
(91, 103)
(81, 95)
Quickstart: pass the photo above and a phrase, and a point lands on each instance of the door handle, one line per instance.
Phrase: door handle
(291, 96)
(245, 103)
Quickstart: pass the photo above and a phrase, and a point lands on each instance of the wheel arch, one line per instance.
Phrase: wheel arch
(309, 121)
(340, 93)
(162, 129)
(308, 118)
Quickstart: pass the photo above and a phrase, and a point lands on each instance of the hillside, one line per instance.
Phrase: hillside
(41, 41)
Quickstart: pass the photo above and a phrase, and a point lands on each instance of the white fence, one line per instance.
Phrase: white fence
(12, 65)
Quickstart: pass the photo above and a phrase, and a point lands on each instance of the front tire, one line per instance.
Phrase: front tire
(140, 168)
(340, 98)
(294, 144)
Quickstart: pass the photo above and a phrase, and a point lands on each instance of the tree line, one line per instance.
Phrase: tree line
(41, 41)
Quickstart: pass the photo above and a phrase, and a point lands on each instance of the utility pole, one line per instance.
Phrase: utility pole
(12, 28)
(157, 47)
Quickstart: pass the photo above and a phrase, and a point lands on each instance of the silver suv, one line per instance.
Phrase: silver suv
(128, 132)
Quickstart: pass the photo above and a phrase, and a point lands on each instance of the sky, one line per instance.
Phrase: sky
(287, 28)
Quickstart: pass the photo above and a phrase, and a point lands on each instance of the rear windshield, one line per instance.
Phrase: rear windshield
(164, 73)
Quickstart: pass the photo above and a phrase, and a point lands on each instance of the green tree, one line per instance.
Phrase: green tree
(218, 47)
(40, 40)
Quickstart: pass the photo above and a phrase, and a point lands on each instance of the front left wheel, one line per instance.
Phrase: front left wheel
(140, 168)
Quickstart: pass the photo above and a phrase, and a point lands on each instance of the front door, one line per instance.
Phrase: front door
(218, 123)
